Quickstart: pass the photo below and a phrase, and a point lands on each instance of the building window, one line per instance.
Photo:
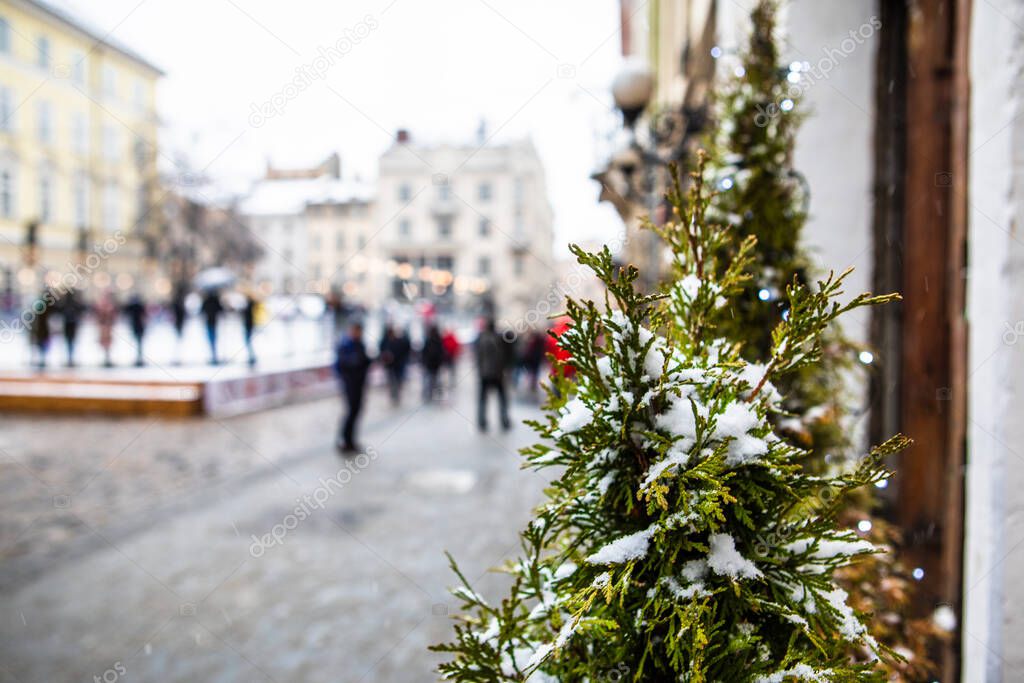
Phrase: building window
(6, 108)
(78, 68)
(79, 133)
(404, 227)
(109, 81)
(517, 264)
(80, 198)
(111, 208)
(5, 36)
(45, 195)
(139, 95)
(484, 192)
(316, 243)
(404, 192)
(484, 266)
(44, 122)
(43, 52)
(110, 142)
(7, 192)
(339, 241)
(444, 192)
(444, 227)
(362, 242)
(485, 227)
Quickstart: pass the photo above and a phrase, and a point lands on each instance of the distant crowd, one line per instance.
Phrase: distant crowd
(498, 359)
(70, 308)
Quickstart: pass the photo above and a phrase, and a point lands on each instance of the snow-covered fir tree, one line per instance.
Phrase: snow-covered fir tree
(758, 109)
(681, 539)
(760, 194)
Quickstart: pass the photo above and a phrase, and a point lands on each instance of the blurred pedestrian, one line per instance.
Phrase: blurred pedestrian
(432, 358)
(492, 355)
(136, 312)
(212, 308)
(106, 317)
(39, 327)
(336, 310)
(351, 365)
(71, 310)
(561, 356)
(452, 350)
(394, 356)
(533, 358)
(179, 313)
(249, 324)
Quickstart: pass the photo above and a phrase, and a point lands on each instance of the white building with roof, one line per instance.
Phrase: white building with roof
(284, 211)
(467, 227)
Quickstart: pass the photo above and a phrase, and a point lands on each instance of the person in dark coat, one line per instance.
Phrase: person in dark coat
(432, 358)
(212, 309)
(351, 365)
(179, 313)
(135, 309)
(492, 356)
(394, 356)
(249, 325)
(533, 358)
(39, 327)
(71, 310)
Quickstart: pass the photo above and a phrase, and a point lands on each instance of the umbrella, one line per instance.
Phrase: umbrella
(214, 278)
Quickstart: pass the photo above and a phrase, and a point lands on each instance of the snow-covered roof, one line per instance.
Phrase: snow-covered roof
(64, 13)
(280, 197)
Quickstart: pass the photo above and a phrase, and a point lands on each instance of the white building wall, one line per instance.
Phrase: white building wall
(517, 211)
(993, 628)
(342, 250)
(284, 264)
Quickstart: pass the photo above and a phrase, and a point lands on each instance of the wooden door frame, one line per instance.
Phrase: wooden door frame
(920, 228)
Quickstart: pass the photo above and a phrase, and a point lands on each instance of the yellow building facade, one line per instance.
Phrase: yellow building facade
(78, 154)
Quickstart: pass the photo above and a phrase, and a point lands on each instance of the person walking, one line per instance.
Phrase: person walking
(249, 325)
(106, 317)
(136, 312)
(452, 349)
(179, 313)
(432, 357)
(71, 310)
(491, 361)
(562, 359)
(39, 327)
(394, 356)
(351, 365)
(533, 358)
(212, 308)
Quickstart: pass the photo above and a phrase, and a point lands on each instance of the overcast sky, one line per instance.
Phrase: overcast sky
(528, 67)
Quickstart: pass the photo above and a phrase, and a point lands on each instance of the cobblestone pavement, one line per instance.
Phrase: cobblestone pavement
(244, 549)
